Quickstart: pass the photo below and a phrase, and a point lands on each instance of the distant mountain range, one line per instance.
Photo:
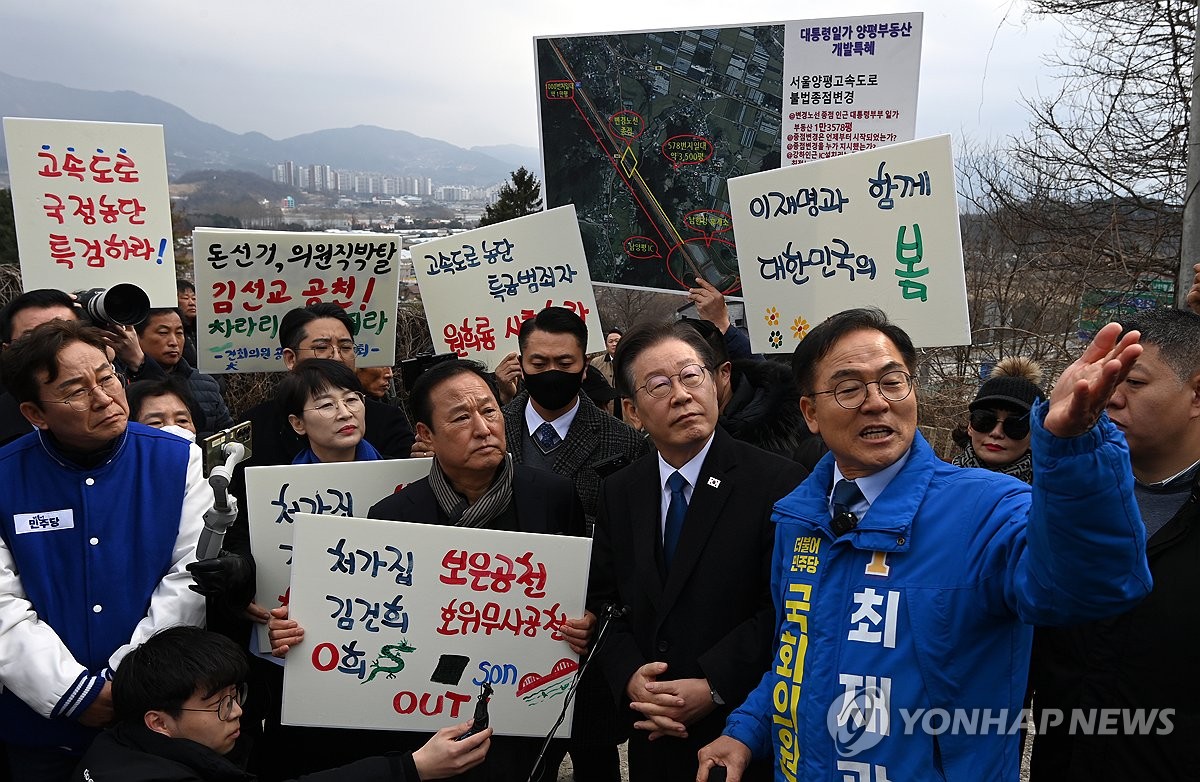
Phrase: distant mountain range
(195, 145)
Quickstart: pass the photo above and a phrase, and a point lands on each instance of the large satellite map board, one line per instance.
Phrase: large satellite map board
(640, 132)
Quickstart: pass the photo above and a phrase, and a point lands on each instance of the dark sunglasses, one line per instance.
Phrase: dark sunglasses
(1015, 427)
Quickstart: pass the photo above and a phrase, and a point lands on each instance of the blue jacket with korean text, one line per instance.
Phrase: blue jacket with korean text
(902, 646)
(92, 562)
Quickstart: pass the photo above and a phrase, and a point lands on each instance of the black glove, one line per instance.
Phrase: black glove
(226, 577)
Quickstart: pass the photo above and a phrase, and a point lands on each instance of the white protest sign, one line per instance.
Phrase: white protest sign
(479, 286)
(872, 228)
(274, 494)
(403, 623)
(246, 281)
(91, 205)
(849, 84)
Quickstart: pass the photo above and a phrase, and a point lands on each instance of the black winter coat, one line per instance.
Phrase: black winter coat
(134, 753)
(1143, 659)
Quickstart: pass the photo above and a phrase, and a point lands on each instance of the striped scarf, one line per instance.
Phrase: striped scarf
(1022, 468)
(489, 506)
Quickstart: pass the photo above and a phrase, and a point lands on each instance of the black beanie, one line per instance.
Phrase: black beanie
(1007, 391)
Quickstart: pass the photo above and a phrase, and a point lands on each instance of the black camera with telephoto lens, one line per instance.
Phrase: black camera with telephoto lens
(124, 304)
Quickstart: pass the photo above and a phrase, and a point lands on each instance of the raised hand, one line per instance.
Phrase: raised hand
(1082, 391)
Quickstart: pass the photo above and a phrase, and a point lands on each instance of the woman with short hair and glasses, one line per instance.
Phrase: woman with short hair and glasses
(996, 436)
(325, 404)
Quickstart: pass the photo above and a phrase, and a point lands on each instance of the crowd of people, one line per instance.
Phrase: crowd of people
(790, 582)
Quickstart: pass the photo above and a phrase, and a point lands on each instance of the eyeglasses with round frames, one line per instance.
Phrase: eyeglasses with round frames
(894, 386)
(1015, 427)
(353, 402)
(659, 386)
(344, 347)
(80, 400)
(224, 708)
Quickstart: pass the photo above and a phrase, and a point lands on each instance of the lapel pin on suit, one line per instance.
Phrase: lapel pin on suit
(714, 482)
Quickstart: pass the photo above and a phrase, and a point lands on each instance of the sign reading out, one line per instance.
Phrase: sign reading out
(404, 624)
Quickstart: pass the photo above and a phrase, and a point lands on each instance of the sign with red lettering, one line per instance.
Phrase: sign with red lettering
(405, 623)
(849, 84)
(479, 286)
(246, 281)
(91, 205)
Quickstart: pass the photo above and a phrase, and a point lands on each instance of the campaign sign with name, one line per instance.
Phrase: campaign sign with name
(849, 84)
(479, 286)
(91, 205)
(875, 228)
(404, 623)
(275, 494)
(246, 281)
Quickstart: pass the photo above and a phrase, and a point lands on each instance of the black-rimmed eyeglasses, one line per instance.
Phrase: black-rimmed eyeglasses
(894, 386)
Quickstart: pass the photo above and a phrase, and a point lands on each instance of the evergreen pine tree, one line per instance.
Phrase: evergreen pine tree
(523, 196)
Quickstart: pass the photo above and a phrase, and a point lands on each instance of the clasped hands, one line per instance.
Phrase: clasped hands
(667, 707)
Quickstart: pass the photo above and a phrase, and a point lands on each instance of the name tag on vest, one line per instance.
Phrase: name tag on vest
(46, 521)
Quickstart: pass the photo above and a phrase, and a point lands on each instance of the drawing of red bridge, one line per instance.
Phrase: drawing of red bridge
(532, 681)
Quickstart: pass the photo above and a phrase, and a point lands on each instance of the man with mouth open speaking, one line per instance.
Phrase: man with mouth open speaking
(905, 587)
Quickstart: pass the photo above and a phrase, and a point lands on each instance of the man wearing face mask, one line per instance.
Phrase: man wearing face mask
(552, 426)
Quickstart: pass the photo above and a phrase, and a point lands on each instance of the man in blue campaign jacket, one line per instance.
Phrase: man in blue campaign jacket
(905, 587)
(98, 519)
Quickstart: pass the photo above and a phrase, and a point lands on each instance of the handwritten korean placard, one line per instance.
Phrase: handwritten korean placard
(91, 205)
(849, 84)
(275, 494)
(871, 228)
(480, 285)
(404, 622)
(246, 281)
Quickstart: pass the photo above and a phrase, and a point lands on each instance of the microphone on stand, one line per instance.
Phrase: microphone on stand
(608, 614)
(220, 517)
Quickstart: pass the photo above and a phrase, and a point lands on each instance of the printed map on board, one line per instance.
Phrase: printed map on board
(640, 131)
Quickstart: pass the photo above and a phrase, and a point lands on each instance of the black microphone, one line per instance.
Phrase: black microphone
(612, 611)
(843, 523)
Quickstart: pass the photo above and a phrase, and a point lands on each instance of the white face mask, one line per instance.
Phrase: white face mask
(179, 431)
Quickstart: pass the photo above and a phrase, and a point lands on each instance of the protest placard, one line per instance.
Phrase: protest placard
(871, 228)
(91, 205)
(246, 281)
(849, 84)
(275, 494)
(479, 286)
(403, 624)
